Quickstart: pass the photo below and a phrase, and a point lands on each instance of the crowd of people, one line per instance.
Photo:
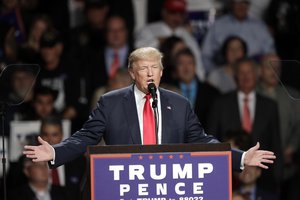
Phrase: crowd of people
(82, 49)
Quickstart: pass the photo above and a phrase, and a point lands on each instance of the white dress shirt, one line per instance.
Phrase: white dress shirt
(140, 101)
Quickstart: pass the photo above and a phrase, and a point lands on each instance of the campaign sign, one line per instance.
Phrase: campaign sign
(161, 176)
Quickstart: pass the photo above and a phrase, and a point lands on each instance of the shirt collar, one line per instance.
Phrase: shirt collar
(121, 51)
(139, 95)
(242, 95)
(192, 85)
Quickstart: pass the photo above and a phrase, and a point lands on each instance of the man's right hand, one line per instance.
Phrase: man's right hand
(43, 152)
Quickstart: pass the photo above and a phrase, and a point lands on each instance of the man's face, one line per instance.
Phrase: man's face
(116, 35)
(22, 82)
(246, 77)
(52, 133)
(240, 10)
(38, 29)
(144, 72)
(270, 70)
(249, 175)
(36, 172)
(96, 17)
(51, 54)
(173, 19)
(234, 51)
(185, 68)
(43, 105)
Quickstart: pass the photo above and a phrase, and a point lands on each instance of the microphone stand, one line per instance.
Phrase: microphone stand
(156, 117)
(3, 107)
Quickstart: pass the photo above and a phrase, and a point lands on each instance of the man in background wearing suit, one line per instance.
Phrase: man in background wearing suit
(38, 185)
(123, 117)
(246, 110)
(67, 175)
(200, 94)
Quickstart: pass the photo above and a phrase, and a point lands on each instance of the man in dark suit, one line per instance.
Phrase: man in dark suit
(121, 117)
(255, 114)
(67, 175)
(38, 185)
(104, 62)
(199, 93)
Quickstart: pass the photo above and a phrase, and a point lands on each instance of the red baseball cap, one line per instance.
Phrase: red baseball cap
(175, 5)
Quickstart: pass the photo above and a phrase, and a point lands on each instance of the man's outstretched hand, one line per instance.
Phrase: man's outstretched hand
(256, 157)
(42, 152)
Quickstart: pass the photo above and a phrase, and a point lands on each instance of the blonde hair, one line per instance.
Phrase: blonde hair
(145, 53)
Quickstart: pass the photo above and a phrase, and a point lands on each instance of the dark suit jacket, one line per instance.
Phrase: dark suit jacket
(97, 72)
(262, 194)
(225, 117)
(26, 193)
(206, 94)
(116, 119)
(74, 171)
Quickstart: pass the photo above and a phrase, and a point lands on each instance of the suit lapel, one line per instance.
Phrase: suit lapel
(258, 115)
(236, 119)
(166, 112)
(131, 116)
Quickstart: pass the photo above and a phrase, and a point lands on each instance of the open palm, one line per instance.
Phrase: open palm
(42, 152)
(256, 157)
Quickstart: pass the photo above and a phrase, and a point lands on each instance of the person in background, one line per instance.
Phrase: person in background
(120, 80)
(249, 188)
(42, 104)
(169, 48)
(238, 196)
(89, 35)
(233, 49)
(255, 114)
(172, 24)
(56, 73)
(67, 175)
(38, 185)
(200, 94)
(245, 183)
(29, 50)
(254, 32)
(22, 82)
(104, 62)
(270, 86)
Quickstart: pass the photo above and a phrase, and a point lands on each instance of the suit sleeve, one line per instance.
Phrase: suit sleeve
(90, 134)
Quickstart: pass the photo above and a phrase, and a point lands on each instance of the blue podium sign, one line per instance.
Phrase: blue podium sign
(161, 176)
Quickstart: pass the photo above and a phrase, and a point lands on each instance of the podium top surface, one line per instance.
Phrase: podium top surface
(158, 148)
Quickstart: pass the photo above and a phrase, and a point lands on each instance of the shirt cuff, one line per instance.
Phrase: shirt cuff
(52, 162)
(242, 161)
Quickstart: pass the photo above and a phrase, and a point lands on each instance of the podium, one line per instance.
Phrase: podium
(160, 172)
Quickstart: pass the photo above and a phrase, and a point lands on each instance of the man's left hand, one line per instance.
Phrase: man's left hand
(256, 157)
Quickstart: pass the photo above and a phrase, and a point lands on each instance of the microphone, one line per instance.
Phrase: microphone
(152, 90)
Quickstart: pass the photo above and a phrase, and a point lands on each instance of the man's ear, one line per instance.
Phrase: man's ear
(131, 73)
(26, 171)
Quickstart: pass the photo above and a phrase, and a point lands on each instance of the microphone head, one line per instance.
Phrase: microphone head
(151, 87)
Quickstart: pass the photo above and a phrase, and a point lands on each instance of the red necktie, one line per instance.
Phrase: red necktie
(148, 123)
(114, 65)
(55, 177)
(246, 124)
